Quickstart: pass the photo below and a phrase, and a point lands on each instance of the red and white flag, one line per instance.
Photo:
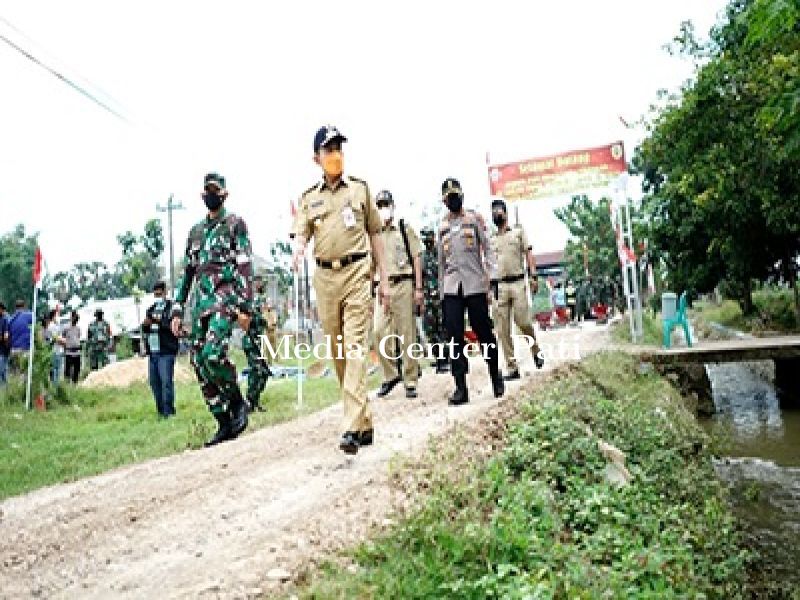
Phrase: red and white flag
(37, 266)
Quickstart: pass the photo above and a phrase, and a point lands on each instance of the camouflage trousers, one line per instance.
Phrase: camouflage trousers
(97, 359)
(259, 371)
(216, 373)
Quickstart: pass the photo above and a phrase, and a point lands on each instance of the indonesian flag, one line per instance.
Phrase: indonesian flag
(37, 266)
(293, 208)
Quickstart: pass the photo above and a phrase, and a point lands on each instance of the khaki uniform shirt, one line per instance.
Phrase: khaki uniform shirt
(466, 259)
(511, 246)
(397, 259)
(340, 220)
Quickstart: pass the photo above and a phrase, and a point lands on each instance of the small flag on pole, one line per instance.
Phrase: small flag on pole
(37, 266)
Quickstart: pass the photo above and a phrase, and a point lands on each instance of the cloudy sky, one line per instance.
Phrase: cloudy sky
(423, 90)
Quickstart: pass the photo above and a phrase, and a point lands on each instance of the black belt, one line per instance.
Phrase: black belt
(396, 278)
(342, 262)
(512, 278)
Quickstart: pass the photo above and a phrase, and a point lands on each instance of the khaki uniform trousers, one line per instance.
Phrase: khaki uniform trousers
(343, 300)
(513, 302)
(399, 321)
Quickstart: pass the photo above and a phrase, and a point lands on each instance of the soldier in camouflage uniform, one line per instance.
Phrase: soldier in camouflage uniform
(259, 372)
(98, 341)
(432, 321)
(218, 258)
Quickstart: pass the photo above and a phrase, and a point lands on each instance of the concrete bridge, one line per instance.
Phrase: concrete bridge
(784, 350)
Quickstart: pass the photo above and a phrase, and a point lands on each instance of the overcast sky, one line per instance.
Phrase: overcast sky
(423, 90)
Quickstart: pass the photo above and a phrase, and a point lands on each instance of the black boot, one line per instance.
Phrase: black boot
(238, 411)
(498, 384)
(224, 431)
(538, 359)
(460, 396)
(388, 386)
(442, 366)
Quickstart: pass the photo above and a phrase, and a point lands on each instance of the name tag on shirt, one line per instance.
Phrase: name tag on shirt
(348, 217)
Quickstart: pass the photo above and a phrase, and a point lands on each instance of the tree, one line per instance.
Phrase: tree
(138, 269)
(17, 250)
(720, 176)
(590, 225)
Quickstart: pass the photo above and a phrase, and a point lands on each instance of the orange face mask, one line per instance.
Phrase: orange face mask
(332, 164)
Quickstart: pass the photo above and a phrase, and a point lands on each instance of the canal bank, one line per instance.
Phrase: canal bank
(595, 482)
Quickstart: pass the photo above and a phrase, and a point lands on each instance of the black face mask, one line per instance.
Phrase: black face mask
(213, 200)
(454, 202)
(498, 219)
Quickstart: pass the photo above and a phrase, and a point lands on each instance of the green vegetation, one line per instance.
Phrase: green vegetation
(651, 327)
(721, 165)
(773, 312)
(539, 519)
(89, 431)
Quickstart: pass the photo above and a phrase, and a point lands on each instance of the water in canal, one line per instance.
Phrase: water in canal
(761, 463)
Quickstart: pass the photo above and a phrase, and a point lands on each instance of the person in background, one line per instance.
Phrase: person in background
(571, 295)
(19, 328)
(55, 339)
(72, 349)
(99, 341)
(5, 347)
(162, 347)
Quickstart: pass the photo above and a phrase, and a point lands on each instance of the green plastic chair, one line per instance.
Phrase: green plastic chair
(681, 319)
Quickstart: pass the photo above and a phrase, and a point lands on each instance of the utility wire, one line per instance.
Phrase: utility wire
(78, 88)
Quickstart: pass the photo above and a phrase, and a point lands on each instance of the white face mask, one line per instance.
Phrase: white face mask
(386, 213)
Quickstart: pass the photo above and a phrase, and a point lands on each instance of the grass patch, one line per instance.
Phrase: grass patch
(651, 328)
(774, 312)
(539, 520)
(89, 431)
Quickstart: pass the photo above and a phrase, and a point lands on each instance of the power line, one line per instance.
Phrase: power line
(58, 75)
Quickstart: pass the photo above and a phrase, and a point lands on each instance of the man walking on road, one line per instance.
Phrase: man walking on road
(218, 259)
(402, 250)
(514, 254)
(340, 215)
(466, 265)
(432, 321)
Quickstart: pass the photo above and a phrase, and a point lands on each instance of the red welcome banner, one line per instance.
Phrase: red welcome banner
(559, 174)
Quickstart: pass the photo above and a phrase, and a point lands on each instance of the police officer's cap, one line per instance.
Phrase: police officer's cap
(499, 203)
(451, 186)
(326, 135)
(384, 198)
(214, 179)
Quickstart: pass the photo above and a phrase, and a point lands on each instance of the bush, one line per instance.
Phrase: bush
(124, 347)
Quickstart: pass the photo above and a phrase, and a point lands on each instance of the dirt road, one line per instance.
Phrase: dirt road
(216, 522)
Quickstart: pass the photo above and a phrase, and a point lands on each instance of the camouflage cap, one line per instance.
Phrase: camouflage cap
(384, 197)
(426, 232)
(214, 179)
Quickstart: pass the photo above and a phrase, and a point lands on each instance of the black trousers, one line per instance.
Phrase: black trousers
(477, 307)
(72, 367)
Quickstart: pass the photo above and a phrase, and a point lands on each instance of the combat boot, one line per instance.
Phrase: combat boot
(461, 395)
(238, 411)
(538, 359)
(498, 383)
(224, 431)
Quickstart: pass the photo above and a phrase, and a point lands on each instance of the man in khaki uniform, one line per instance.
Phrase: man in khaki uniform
(339, 213)
(402, 249)
(467, 264)
(513, 253)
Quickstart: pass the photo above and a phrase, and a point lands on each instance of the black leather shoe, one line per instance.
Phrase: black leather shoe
(349, 443)
(442, 367)
(365, 437)
(387, 386)
(538, 360)
(411, 392)
(514, 375)
(498, 387)
(224, 431)
(459, 397)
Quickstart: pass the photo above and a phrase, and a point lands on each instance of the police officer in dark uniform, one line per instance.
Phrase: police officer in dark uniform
(467, 264)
